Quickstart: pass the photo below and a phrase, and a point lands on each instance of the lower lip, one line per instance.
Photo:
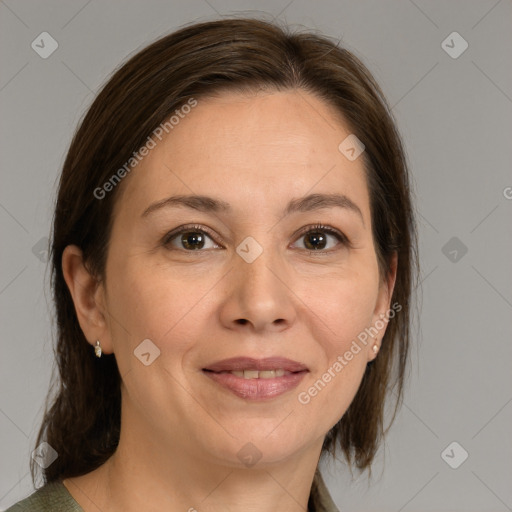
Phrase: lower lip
(257, 389)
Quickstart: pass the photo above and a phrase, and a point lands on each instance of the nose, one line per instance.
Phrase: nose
(258, 297)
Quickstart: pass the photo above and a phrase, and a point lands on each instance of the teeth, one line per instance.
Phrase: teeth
(255, 374)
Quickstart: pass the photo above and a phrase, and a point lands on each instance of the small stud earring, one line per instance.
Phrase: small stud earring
(97, 349)
(375, 348)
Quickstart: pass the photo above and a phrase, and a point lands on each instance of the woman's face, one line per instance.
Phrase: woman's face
(252, 276)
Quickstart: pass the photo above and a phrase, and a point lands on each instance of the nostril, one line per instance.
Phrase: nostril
(242, 321)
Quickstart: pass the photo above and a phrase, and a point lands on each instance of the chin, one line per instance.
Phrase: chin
(260, 445)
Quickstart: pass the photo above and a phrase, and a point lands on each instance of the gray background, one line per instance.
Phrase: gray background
(455, 117)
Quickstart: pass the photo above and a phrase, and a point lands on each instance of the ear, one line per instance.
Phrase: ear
(88, 297)
(381, 313)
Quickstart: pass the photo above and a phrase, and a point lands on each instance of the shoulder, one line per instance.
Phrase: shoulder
(52, 497)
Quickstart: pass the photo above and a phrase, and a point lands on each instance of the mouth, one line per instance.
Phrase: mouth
(257, 379)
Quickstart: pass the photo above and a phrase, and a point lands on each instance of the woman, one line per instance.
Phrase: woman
(233, 257)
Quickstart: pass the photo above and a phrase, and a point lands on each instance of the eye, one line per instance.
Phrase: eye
(189, 238)
(317, 238)
(320, 239)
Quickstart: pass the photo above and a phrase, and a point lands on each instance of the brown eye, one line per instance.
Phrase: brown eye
(321, 239)
(192, 240)
(315, 240)
(189, 239)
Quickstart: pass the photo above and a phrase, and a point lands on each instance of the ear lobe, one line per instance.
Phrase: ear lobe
(85, 291)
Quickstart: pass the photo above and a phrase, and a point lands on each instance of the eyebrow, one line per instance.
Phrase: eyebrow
(207, 204)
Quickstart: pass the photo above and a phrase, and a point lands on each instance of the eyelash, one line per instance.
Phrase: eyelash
(342, 239)
(308, 229)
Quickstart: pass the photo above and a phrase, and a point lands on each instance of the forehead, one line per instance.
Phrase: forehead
(261, 148)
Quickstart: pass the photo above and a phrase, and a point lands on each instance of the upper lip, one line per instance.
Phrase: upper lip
(249, 363)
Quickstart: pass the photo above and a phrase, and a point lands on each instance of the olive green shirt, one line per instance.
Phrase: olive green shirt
(54, 497)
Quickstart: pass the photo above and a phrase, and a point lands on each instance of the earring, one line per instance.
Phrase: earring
(375, 348)
(97, 349)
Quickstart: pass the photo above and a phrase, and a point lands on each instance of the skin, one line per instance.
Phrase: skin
(181, 432)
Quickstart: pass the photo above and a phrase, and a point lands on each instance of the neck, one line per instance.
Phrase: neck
(146, 474)
(271, 490)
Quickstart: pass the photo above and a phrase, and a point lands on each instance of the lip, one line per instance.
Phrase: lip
(256, 389)
(249, 363)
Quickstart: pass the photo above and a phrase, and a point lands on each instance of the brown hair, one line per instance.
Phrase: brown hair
(82, 420)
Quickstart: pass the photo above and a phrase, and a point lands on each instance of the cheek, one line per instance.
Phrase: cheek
(343, 306)
(345, 313)
(148, 303)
